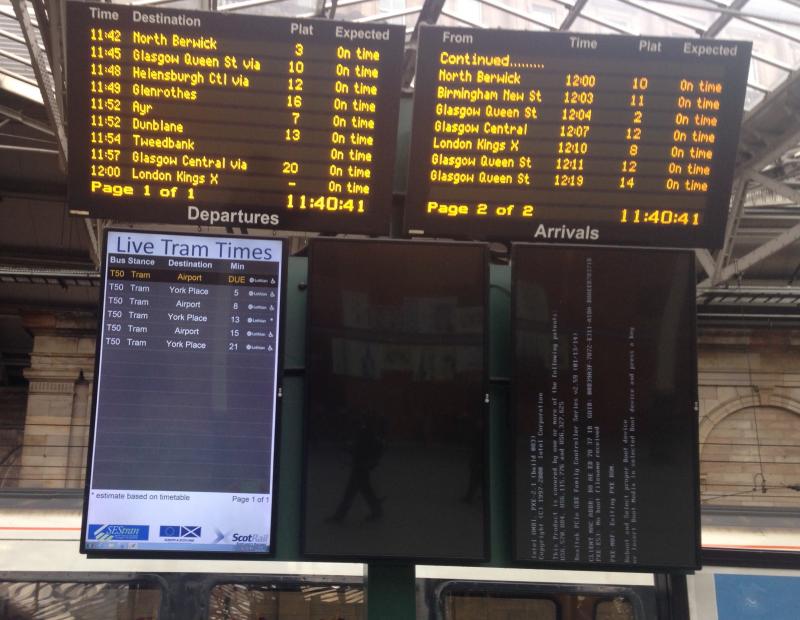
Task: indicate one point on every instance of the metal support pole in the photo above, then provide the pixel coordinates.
(391, 591)
(94, 244)
(428, 14)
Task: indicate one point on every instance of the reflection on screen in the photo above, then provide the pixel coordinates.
(395, 418)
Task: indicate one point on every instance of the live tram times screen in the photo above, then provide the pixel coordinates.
(239, 120)
(187, 388)
(564, 137)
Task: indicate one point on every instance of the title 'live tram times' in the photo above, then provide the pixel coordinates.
(186, 395)
(210, 118)
(556, 136)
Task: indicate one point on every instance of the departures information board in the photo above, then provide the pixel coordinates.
(563, 137)
(182, 452)
(240, 120)
(604, 408)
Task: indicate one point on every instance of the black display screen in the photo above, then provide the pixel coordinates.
(566, 137)
(604, 406)
(214, 118)
(395, 430)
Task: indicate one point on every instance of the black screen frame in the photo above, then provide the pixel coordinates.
(173, 554)
(486, 495)
(516, 249)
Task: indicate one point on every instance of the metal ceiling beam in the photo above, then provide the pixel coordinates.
(731, 228)
(19, 85)
(726, 16)
(771, 62)
(43, 26)
(13, 37)
(706, 261)
(94, 236)
(463, 20)
(740, 265)
(773, 149)
(573, 14)
(57, 38)
(18, 116)
(776, 186)
(52, 106)
(429, 13)
(11, 56)
(339, 5)
(771, 128)
(28, 149)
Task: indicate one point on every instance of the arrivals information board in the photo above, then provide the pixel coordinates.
(238, 120)
(566, 137)
(182, 452)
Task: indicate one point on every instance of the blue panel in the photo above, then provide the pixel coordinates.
(751, 597)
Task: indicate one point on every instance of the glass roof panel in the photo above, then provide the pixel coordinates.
(288, 8)
(375, 9)
(522, 14)
(518, 15)
(584, 25)
(628, 17)
(785, 17)
(764, 75)
(701, 19)
(612, 13)
(752, 97)
(451, 19)
(469, 10)
(765, 44)
(196, 5)
(14, 58)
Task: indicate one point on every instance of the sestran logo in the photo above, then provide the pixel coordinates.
(108, 532)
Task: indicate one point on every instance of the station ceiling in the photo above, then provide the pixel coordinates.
(47, 256)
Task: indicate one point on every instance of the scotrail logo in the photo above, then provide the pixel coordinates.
(237, 538)
(118, 532)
